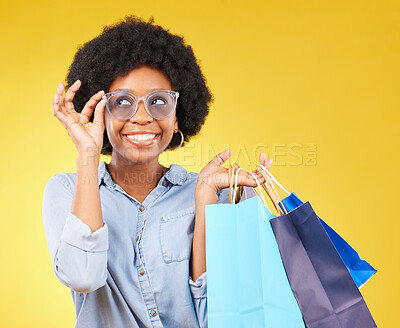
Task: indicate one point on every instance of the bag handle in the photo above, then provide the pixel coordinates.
(236, 196)
(273, 178)
(237, 192)
(276, 199)
(233, 185)
(260, 193)
(271, 191)
(231, 177)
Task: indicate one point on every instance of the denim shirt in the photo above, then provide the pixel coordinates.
(134, 270)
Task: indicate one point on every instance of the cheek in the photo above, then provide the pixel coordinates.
(113, 128)
(169, 128)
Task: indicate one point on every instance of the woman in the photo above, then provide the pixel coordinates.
(123, 236)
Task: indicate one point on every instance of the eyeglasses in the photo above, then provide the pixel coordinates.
(123, 105)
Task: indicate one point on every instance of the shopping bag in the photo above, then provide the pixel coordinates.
(324, 288)
(247, 286)
(360, 270)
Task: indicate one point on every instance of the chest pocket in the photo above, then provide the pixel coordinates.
(176, 235)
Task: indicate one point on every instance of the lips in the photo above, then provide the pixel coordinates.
(141, 138)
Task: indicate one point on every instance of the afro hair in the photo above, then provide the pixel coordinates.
(130, 44)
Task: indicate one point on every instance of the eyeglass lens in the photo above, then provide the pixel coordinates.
(122, 105)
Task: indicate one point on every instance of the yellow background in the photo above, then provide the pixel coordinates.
(315, 84)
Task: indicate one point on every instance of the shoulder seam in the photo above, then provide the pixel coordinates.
(59, 177)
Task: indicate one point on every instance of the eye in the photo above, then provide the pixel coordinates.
(158, 101)
(123, 101)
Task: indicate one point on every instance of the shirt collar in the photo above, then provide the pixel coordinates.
(176, 174)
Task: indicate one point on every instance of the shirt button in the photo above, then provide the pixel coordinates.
(164, 183)
(137, 238)
(141, 272)
(153, 313)
(141, 208)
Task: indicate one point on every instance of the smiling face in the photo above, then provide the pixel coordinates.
(142, 138)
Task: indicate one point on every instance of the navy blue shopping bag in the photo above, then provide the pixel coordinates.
(323, 286)
(360, 270)
(324, 289)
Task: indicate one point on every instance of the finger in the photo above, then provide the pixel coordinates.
(268, 164)
(57, 97)
(260, 177)
(58, 113)
(265, 162)
(54, 105)
(221, 157)
(57, 108)
(246, 179)
(91, 104)
(263, 159)
(70, 94)
(99, 113)
(60, 89)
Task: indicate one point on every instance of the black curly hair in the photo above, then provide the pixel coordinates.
(129, 44)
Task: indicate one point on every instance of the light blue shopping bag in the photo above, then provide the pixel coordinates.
(247, 286)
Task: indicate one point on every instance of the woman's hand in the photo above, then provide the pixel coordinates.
(214, 177)
(87, 136)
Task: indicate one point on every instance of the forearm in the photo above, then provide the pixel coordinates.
(86, 202)
(203, 197)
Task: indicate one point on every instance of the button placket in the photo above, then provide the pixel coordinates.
(142, 275)
(142, 272)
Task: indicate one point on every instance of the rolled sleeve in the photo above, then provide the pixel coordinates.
(79, 256)
(198, 290)
(78, 234)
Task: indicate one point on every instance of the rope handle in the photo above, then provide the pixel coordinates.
(234, 197)
(271, 192)
(273, 178)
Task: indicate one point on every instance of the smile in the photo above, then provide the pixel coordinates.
(142, 139)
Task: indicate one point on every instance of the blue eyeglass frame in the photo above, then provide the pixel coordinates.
(175, 95)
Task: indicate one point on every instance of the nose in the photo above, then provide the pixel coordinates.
(141, 116)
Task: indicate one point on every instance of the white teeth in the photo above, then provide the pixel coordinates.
(141, 137)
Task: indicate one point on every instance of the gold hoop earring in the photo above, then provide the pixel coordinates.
(182, 140)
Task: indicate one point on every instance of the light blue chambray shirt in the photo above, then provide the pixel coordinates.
(133, 271)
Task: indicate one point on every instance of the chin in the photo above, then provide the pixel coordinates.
(140, 156)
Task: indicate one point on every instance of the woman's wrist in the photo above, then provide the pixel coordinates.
(88, 159)
(205, 194)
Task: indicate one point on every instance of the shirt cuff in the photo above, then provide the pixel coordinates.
(78, 234)
(199, 288)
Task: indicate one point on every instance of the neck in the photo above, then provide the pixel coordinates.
(136, 175)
